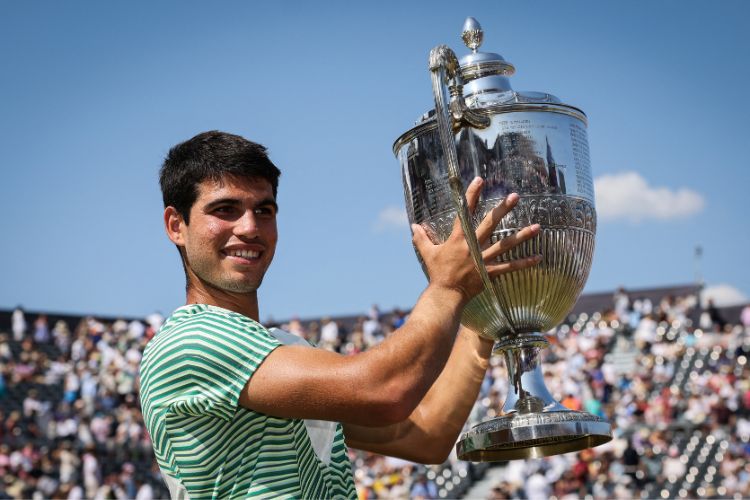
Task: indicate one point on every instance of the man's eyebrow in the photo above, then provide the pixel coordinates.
(236, 202)
(221, 201)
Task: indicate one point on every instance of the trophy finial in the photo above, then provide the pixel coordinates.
(472, 34)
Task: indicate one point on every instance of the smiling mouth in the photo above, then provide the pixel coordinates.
(244, 254)
(243, 257)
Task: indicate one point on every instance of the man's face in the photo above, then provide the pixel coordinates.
(231, 238)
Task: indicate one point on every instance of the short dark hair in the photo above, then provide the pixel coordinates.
(211, 155)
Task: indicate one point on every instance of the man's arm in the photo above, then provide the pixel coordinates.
(430, 432)
(385, 384)
(378, 387)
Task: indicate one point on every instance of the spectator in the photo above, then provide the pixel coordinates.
(424, 488)
(672, 467)
(717, 320)
(329, 335)
(631, 460)
(18, 321)
(621, 303)
(745, 316)
(41, 329)
(572, 403)
(537, 487)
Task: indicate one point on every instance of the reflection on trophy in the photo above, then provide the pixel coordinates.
(532, 144)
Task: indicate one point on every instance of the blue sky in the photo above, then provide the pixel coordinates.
(94, 94)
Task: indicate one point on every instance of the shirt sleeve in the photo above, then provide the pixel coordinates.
(212, 361)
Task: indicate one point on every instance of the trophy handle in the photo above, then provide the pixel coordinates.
(444, 68)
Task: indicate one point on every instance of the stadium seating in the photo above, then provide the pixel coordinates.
(677, 394)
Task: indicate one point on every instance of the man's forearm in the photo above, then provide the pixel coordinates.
(411, 359)
(443, 411)
(429, 433)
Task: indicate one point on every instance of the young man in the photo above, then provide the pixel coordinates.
(233, 409)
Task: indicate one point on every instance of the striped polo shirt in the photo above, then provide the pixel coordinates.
(207, 446)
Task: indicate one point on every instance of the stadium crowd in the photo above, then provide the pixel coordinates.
(670, 376)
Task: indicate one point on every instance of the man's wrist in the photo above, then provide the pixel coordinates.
(449, 295)
(486, 345)
(483, 345)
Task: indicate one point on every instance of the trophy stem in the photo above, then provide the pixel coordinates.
(532, 423)
(527, 393)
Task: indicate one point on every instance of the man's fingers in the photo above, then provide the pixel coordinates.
(509, 242)
(420, 238)
(513, 265)
(492, 219)
(472, 199)
(473, 192)
(418, 235)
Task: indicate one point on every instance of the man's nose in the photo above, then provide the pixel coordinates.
(247, 225)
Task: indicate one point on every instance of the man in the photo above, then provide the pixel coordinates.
(233, 409)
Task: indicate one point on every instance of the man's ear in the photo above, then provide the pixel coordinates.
(174, 224)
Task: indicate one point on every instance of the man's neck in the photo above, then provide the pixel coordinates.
(245, 304)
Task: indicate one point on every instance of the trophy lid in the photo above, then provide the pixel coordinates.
(482, 72)
(486, 86)
(485, 74)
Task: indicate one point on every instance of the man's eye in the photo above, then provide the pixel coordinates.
(224, 210)
(267, 211)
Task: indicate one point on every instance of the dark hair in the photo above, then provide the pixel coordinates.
(211, 155)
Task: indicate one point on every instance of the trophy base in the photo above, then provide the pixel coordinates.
(532, 435)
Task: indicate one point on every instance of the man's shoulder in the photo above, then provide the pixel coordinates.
(206, 318)
(198, 312)
(201, 325)
(199, 341)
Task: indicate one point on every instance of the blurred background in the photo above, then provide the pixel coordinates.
(95, 94)
(670, 375)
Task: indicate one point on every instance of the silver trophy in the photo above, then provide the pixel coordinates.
(532, 144)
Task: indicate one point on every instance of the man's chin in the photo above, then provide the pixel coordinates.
(240, 286)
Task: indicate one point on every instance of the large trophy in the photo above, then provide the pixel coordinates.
(532, 144)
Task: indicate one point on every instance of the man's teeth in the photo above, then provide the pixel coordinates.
(245, 254)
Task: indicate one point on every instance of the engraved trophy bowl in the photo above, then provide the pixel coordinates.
(532, 144)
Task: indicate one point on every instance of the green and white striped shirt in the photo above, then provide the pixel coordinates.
(208, 446)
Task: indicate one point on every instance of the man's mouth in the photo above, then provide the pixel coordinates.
(245, 254)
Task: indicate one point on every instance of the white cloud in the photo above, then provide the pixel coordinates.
(723, 295)
(628, 196)
(392, 218)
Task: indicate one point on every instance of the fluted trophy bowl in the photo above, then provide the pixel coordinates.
(532, 144)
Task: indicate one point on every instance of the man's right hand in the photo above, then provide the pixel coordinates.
(450, 265)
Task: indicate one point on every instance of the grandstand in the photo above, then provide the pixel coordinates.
(673, 379)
